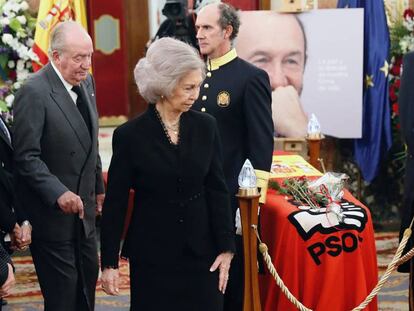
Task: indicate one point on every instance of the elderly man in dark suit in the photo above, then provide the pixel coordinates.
(238, 95)
(59, 169)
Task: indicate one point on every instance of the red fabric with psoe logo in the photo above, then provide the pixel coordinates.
(328, 269)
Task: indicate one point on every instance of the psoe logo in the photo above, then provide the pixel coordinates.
(308, 221)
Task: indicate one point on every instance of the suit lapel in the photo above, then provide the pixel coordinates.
(62, 98)
(3, 135)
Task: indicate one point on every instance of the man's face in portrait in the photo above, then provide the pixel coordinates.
(274, 42)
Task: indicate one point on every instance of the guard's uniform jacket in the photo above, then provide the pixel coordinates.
(238, 95)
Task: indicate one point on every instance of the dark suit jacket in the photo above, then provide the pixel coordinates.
(54, 153)
(4, 269)
(245, 123)
(406, 101)
(8, 217)
(181, 199)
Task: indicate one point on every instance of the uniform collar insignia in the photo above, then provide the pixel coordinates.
(216, 63)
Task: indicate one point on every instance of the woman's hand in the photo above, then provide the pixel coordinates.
(110, 281)
(223, 263)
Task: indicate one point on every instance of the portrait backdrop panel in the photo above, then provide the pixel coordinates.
(330, 81)
(334, 76)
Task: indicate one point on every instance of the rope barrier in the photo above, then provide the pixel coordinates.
(396, 261)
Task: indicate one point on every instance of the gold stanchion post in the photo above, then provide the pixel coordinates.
(249, 203)
(314, 149)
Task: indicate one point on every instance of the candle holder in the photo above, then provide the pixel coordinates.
(314, 150)
(249, 204)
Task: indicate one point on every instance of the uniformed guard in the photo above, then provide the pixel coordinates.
(238, 95)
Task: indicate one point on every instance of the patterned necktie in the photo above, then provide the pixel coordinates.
(81, 104)
(5, 130)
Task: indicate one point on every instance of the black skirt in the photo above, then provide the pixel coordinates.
(185, 286)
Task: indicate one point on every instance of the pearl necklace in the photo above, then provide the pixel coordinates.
(174, 128)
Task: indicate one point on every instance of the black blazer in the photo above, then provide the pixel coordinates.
(181, 200)
(406, 101)
(4, 269)
(8, 209)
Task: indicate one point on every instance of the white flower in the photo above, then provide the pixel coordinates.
(20, 65)
(4, 21)
(29, 42)
(22, 75)
(6, 38)
(19, 42)
(406, 44)
(24, 6)
(33, 56)
(9, 100)
(17, 85)
(11, 15)
(11, 6)
(22, 19)
(409, 24)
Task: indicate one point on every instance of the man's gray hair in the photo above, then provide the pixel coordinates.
(167, 61)
(204, 3)
(229, 17)
(58, 36)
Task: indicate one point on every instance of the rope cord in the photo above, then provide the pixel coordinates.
(396, 261)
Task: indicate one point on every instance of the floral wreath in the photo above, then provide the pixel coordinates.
(402, 41)
(16, 55)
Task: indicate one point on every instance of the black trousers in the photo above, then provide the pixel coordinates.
(186, 285)
(67, 273)
(233, 298)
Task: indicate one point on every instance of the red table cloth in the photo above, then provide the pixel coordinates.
(328, 268)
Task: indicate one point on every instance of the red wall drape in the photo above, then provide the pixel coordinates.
(244, 5)
(110, 70)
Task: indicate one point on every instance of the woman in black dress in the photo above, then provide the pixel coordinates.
(180, 240)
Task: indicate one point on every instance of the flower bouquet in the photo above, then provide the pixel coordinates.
(324, 192)
(16, 55)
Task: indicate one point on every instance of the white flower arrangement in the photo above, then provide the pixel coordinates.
(16, 55)
(402, 33)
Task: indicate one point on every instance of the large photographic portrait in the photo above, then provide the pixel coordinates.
(315, 65)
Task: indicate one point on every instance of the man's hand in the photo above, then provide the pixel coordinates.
(21, 236)
(99, 203)
(71, 203)
(6, 288)
(110, 281)
(289, 118)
